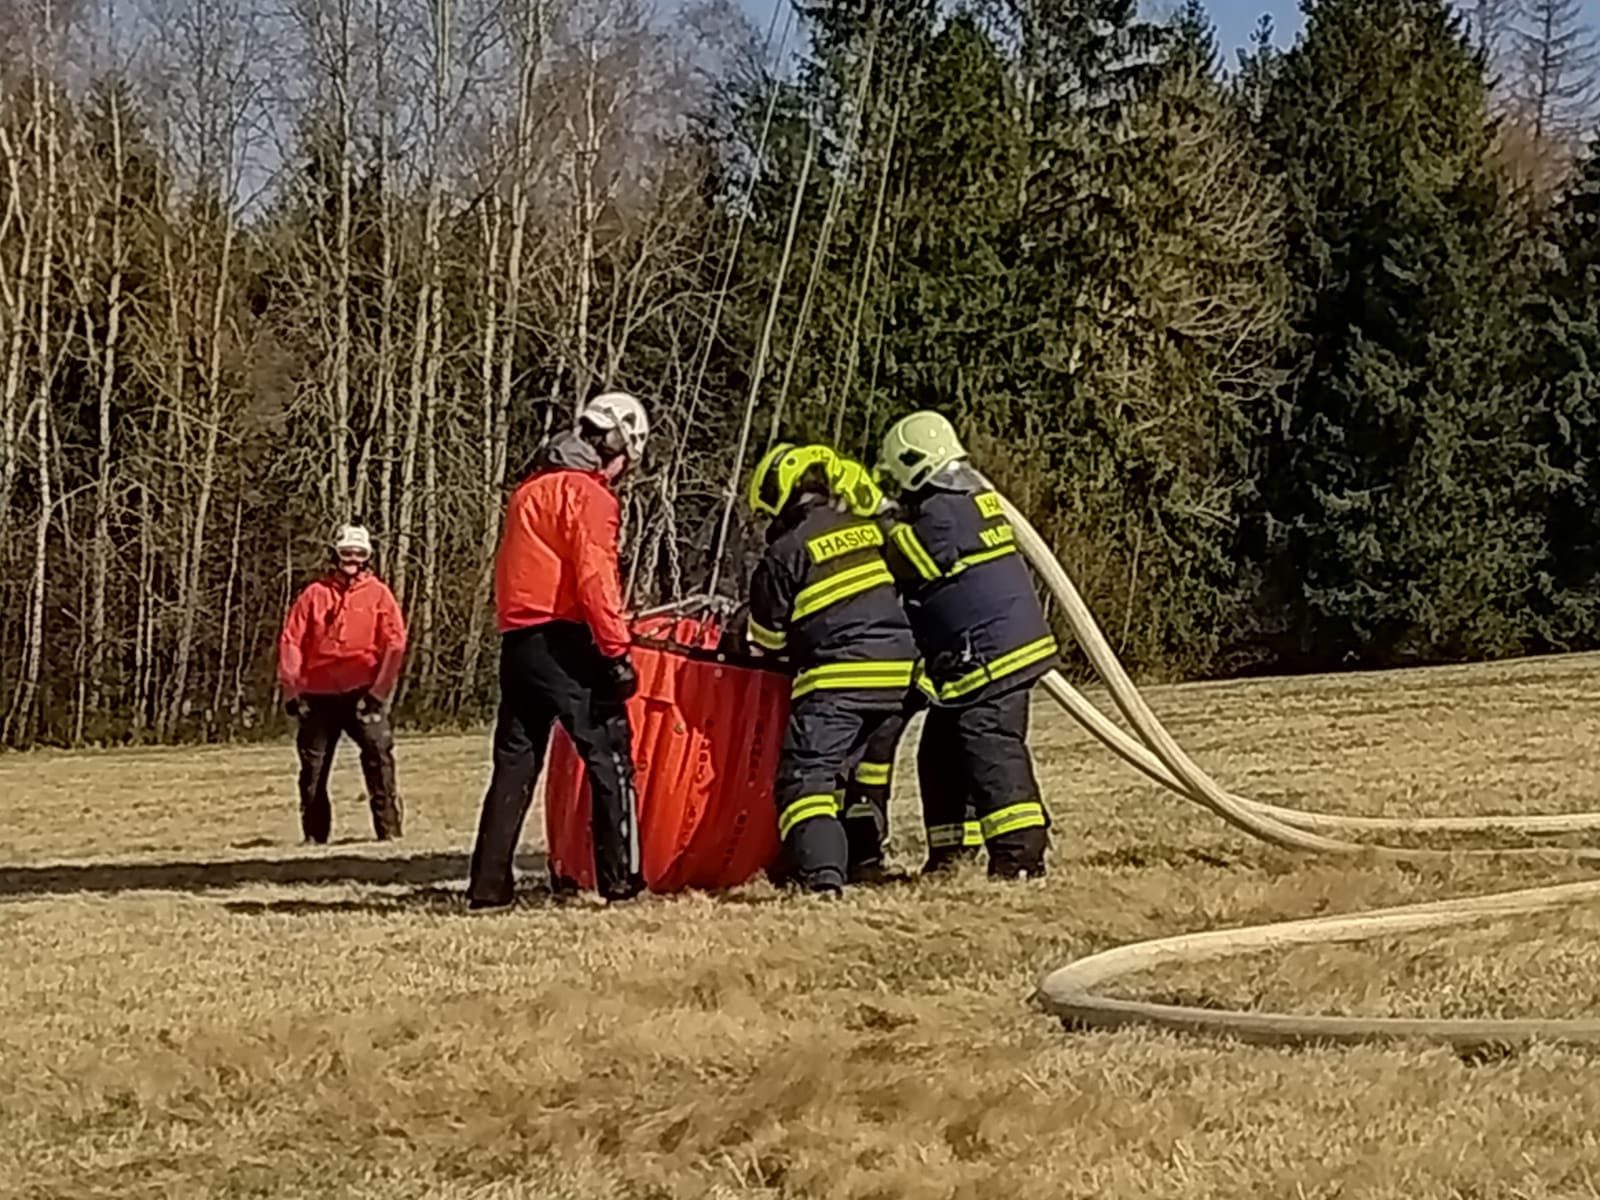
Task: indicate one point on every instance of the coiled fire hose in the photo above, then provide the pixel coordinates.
(1069, 992)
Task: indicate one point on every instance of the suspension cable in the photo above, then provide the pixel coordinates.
(737, 467)
(848, 363)
(676, 470)
(825, 234)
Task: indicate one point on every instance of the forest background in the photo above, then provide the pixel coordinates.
(1295, 358)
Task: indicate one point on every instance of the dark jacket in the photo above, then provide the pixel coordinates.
(823, 595)
(968, 593)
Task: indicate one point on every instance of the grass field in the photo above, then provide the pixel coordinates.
(191, 1004)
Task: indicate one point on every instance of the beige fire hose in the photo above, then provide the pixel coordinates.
(1068, 992)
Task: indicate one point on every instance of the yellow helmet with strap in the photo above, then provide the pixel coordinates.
(854, 484)
(779, 470)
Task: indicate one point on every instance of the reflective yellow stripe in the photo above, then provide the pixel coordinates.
(1007, 664)
(998, 535)
(873, 774)
(861, 676)
(843, 541)
(968, 834)
(1027, 815)
(804, 809)
(989, 505)
(905, 538)
(840, 587)
(983, 556)
(766, 638)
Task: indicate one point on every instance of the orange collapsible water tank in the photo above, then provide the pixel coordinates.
(707, 726)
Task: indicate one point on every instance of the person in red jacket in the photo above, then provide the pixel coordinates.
(339, 659)
(564, 649)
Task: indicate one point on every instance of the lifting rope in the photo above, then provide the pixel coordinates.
(847, 364)
(731, 496)
(842, 170)
(732, 262)
(1069, 991)
(763, 348)
(728, 268)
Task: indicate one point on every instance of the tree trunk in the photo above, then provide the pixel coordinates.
(341, 280)
(384, 386)
(144, 619)
(584, 161)
(530, 44)
(427, 635)
(227, 605)
(14, 294)
(189, 608)
(22, 721)
(100, 566)
(424, 376)
(493, 214)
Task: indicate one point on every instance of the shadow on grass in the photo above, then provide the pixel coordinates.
(448, 901)
(59, 879)
(440, 901)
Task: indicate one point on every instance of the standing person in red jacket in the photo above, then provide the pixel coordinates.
(339, 659)
(564, 649)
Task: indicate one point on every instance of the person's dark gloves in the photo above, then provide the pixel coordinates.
(369, 707)
(624, 680)
(293, 707)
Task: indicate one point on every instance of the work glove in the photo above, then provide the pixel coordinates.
(624, 680)
(293, 707)
(369, 708)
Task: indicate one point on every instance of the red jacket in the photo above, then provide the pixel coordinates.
(558, 557)
(342, 635)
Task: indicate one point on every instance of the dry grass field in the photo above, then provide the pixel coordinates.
(192, 1005)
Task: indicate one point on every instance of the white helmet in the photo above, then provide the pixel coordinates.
(352, 537)
(917, 447)
(620, 413)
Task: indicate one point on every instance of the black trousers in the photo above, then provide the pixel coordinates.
(827, 731)
(549, 673)
(322, 720)
(973, 763)
(866, 788)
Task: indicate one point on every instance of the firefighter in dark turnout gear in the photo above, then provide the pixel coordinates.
(869, 780)
(984, 643)
(866, 788)
(823, 596)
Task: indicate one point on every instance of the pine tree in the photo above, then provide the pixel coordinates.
(1173, 314)
(1389, 520)
(1564, 363)
(1192, 41)
(964, 158)
(1252, 83)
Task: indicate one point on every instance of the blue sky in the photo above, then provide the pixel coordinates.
(1235, 19)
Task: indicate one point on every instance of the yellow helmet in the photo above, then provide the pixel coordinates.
(918, 445)
(778, 471)
(854, 484)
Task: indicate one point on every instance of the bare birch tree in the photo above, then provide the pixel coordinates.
(44, 144)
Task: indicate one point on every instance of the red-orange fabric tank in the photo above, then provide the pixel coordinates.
(706, 736)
